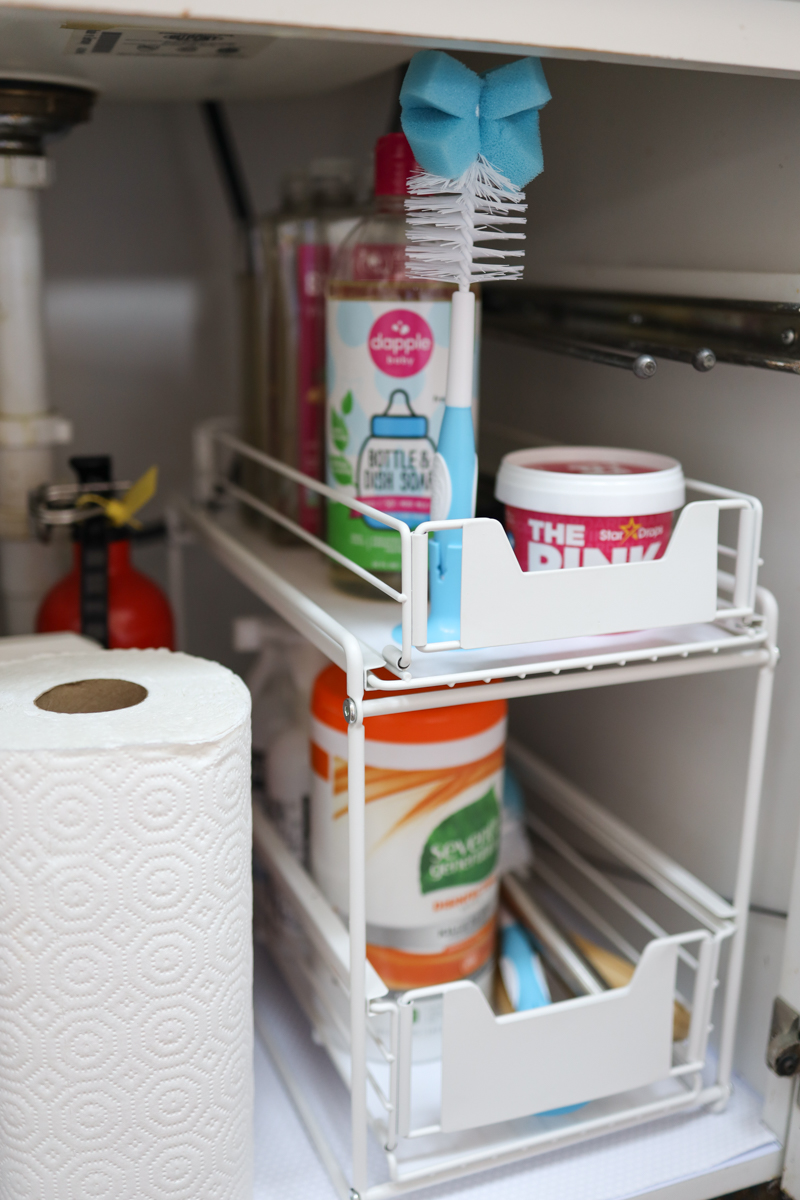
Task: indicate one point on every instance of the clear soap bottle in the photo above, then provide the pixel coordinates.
(318, 211)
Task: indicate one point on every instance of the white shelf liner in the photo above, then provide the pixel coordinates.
(614, 1167)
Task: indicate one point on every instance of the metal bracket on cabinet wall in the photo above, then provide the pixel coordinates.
(632, 331)
(783, 1048)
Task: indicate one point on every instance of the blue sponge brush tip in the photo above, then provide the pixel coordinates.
(451, 115)
(435, 78)
(443, 144)
(439, 98)
(513, 146)
(511, 89)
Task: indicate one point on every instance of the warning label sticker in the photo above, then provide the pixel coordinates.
(162, 43)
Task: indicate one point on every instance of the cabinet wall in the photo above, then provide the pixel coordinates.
(664, 172)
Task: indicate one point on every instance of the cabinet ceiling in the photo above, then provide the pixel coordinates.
(170, 49)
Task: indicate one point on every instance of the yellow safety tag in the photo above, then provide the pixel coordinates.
(120, 512)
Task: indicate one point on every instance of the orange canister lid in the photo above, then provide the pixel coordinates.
(424, 725)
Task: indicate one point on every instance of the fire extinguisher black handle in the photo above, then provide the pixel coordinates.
(92, 535)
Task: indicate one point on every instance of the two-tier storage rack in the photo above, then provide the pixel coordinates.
(614, 1057)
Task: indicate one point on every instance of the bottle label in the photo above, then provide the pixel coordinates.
(387, 377)
(432, 834)
(464, 847)
(401, 343)
(312, 271)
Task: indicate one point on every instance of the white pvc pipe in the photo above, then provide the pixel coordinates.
(27, 568)
(22, 369)
(22, 374)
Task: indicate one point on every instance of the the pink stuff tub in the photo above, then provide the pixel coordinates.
(588, 506)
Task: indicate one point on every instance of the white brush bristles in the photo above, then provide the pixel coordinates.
(449, 222)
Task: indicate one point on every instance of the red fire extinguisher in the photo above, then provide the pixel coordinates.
(104, 597)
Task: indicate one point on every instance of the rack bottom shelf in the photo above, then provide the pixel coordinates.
(691, 1156)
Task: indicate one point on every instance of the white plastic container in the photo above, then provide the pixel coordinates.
(434, 784)
(588, 506)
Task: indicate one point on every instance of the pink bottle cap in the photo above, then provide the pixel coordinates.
(394, 162)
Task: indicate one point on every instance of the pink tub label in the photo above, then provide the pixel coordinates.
(592, 467)
(548, 542)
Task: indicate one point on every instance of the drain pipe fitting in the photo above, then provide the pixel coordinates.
(30, 112)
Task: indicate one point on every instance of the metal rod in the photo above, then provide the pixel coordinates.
(322, 926)
(326, 633)
(539, 1143)
(405, 1015)
(744, 873)
(636, 673)
(304, 1110)
(566, 959)
(316, 485)
(356, 800)
(626, 659)
(608, 888)
(704, 987)
(626, 845)
(642, 365)
(582, 906)
(268, 511)
(304, 986)
(685, 329)
(394, 1037)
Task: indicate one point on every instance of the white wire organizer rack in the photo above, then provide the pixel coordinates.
(614, 1052)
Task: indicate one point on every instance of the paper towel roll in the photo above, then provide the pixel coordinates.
(36, 645)
(125, 947)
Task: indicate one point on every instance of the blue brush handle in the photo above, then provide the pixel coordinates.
(531, 990)
(454, 482)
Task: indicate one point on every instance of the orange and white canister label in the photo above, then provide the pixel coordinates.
(432, 843)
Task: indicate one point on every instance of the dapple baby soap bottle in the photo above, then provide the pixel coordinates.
(387, 338)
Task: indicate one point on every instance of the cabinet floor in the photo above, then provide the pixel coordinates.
(615, 1167)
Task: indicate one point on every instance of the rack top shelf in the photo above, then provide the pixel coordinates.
(333, 44)
(284, 576)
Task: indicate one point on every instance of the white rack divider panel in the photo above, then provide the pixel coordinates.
(498, 1068)
(502, 604)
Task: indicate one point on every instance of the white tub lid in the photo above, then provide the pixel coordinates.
(590, 481)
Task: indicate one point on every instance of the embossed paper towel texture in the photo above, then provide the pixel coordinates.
(125, 956)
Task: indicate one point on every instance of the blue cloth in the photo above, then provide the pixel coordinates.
(451, 115)
(516, 948)
(513, 795)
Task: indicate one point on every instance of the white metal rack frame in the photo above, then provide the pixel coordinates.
(530, 634)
